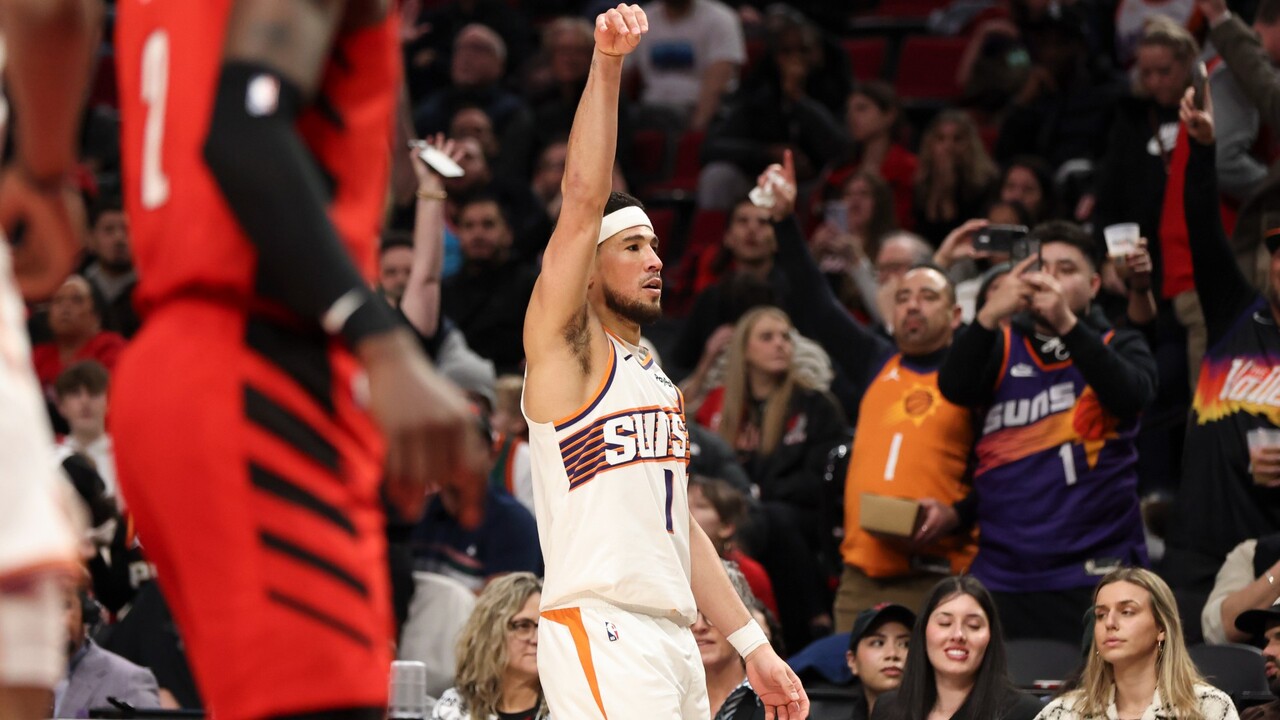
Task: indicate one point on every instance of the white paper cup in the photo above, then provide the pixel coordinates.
(408, 690)
(1122, 239)
(1259, 438)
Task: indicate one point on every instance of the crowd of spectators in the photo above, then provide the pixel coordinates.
(1049, 419)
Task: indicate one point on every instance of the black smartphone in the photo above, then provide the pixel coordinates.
(998, 238)
(1199, 84)
(1024, 248)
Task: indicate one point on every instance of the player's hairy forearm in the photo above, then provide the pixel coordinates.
(593, 141)
(588, 175)
(50, 46)
(712, 590)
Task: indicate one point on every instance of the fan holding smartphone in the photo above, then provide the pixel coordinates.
(1061, 391)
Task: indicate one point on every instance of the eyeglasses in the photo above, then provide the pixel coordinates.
(523, 629)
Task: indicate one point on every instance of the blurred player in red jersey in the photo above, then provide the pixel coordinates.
(48, 45)
(253, 412)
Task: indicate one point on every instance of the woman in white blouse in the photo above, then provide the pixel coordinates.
(1139, 668)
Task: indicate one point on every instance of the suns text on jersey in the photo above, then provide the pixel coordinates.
(1026, 411)
(651, 434)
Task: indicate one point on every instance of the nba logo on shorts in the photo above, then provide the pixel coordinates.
(611, 631)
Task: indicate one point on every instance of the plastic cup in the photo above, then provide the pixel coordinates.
(1122, 239)
(1259, 438)
(408, 691)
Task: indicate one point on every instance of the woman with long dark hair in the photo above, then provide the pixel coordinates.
(957, 667)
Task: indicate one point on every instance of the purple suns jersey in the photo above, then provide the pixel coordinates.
(1056, 479)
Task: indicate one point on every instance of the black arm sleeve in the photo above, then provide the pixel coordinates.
(819, 315)
(969, 373)
(267, 177)
(1224, 291)
(1123, 374)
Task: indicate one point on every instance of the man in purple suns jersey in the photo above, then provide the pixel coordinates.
(1055, 485)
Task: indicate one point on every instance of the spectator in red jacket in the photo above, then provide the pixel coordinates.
(75, 319)
(873, 117)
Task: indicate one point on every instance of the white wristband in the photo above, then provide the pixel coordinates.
(335, 318)
(748, 638)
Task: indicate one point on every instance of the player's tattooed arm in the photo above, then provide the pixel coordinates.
(292, 37)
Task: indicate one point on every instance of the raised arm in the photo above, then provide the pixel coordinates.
(1212, 260)
(565, 345)
(421, 301)
(560, 295)
(49, 45)
(1245, 57)
(819, 315)
(969, 373)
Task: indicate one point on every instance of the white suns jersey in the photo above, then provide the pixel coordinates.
(611, 494)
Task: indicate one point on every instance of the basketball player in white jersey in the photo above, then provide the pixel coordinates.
(48, 45)
(628, 570)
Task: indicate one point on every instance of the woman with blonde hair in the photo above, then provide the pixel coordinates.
(497, 675)
(1139, 666)
(782, 429)
(955, 178)
(762, 399)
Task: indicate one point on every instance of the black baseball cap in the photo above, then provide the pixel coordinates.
(1254, 622)
(874, 617)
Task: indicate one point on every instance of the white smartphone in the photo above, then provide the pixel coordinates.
(441, 163)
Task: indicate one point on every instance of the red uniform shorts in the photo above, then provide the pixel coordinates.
(253, 473)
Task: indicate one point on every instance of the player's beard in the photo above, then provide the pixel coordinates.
(638, 312)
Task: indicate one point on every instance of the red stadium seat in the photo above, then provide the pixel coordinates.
(706, 230)
(649, 156)
(908, 8)
(756, 50)
(664, 220)
(866, 56)
(688, 162)
(927, 68)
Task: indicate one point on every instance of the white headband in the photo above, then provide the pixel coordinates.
(621, 219)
